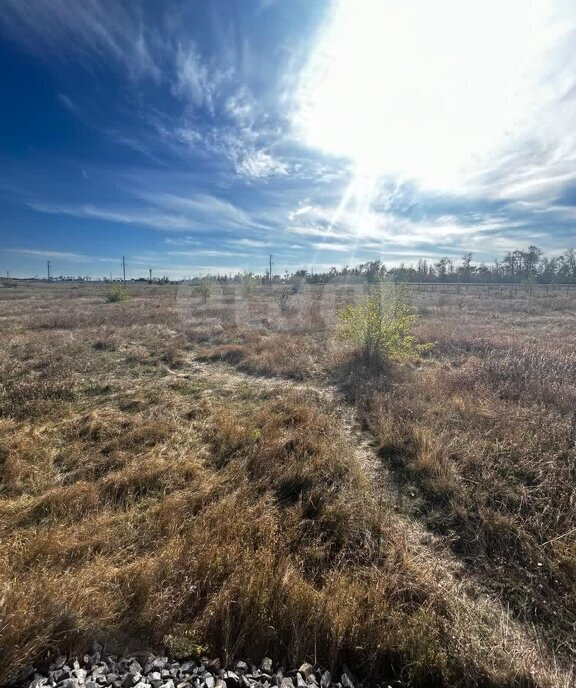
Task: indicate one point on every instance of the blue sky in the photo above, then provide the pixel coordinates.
(200, 136)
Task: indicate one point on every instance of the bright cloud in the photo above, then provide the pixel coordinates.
(427, 91)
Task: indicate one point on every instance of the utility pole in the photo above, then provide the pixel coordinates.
(150, 271)
(48, 264)
(270, 273)
(123, 269)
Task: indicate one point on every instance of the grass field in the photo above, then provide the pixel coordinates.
(219, 473)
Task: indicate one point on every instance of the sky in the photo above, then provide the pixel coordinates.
(199, 136)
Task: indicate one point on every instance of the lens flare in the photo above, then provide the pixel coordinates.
(422, 90)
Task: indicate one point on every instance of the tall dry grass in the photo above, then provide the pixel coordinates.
(155, 509)
(485, 428)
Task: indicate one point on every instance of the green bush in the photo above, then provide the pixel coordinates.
(205, 290)
(381, 324)
(248, 285)
(116, 294)
(284, 299)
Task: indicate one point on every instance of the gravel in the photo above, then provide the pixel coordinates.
(97, 669)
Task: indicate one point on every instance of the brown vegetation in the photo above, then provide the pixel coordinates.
(154, 500)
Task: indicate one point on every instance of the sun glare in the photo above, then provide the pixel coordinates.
(423, 90)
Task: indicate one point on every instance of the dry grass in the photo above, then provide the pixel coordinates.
(292, 356)
(486, 429)
(149, 504)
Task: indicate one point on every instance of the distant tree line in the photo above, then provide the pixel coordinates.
(529, 266)
(516, 267)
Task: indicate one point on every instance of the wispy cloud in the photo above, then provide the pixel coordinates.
(213, 111)
(146, 217)
(331, 246)
(41, 253)
(196, 82)
(205, 206)
(258, 164)
(70, 105)
(240, 146)
(207, 252)
(94, 30)
(164, 211)
(62, 255)
(241, 107)
(249, 243)
(182, 241)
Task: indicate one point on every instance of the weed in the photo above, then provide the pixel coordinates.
(116, 294)
(205, 291)
(381, 325)
(284, 300)
(248, 285)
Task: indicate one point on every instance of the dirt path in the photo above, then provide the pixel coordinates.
(492, 629)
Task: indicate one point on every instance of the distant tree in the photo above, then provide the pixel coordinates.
(570, 260)
(442, 268)
(465, 270)
(530, 260)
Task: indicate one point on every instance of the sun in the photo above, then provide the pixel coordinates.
(422, 90)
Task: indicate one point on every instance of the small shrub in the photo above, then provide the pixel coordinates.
(283, 299)
(205, 291)
(248, 285)
(381, 325)
(298, 284)
(116, 294)
(105, 344)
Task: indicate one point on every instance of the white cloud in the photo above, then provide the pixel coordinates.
(258, 164)
(206, 252)
(303, 210)
(40, 253)
(239, 145)
(67, 256)
(167, 212)
(241, 107)
(317, 231)
(383, 86)
(344, 248)
(147, 217)
(250, 160)
(536, 184)
(206, 207)
(195, 81)
(249, 243)
(384, 231)
(191, 137)
(383, 90)
(93, 30)
(184, 241)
